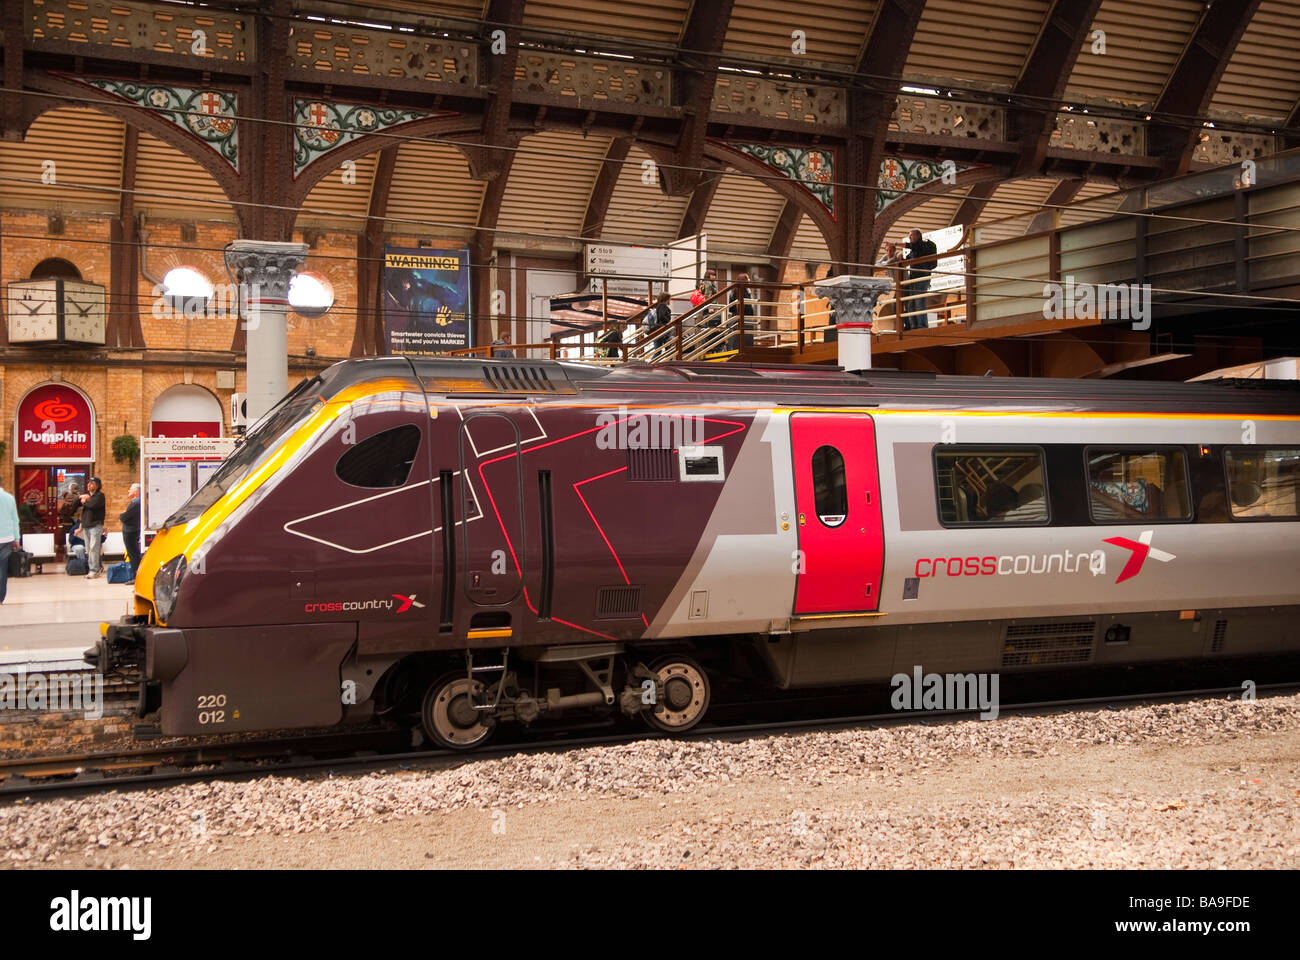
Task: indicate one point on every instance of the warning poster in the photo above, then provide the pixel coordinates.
(426, 301)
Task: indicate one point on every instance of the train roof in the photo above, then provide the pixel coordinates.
(824, 386)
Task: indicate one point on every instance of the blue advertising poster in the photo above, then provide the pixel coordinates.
(426, 301)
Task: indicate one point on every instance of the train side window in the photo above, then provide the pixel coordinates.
(1263, 482)
(990, 485)
(830, 492)
(1138, 485)
(383, 460)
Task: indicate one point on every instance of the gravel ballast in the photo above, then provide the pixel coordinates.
(1204, 784)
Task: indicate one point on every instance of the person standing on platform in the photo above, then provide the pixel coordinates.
(918, 275)
(68, 511)
(9, 535)
(92, 525)
(130, 518)
(501, 347)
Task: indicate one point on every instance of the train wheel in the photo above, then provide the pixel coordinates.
(686, 695)
(448, 717)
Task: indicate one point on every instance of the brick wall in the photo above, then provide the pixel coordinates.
(123, 386)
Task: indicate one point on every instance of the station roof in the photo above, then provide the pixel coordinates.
(979, 45)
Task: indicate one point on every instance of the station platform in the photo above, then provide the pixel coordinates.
(49, 619)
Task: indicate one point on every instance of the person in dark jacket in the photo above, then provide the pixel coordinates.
(918, 275)
(130, 518)
(659, 317)
(68, 510)
(93, 506)
(739, 294)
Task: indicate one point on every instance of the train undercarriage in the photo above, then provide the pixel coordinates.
(460, 709)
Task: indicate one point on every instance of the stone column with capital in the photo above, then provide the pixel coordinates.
(262, 270)
(854, 301)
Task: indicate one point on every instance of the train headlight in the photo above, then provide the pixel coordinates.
(166, 586)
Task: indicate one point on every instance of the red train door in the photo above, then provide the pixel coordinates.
(837, 499)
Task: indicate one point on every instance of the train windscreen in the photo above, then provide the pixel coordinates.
(262, 440)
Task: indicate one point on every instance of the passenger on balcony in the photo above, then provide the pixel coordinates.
(710, 285)
(501, 347)
(918, 276)
(660, 316)
(741, 292)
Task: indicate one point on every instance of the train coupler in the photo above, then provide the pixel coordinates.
(120, 648)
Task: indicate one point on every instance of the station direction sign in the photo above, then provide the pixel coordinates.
(950, 271)
(186, 448)
(619, 260)
(619, 287)
(172, 468)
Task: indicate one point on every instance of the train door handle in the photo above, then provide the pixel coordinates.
(802, 520)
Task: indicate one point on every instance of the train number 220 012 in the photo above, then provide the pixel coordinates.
(206, 707)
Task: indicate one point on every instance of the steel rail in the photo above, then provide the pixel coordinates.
(89, 773)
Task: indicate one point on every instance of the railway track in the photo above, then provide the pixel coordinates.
(358, 751)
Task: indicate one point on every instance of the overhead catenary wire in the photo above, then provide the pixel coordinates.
(89, 102)
(1268, 229)
(957, 336)
(456, 227)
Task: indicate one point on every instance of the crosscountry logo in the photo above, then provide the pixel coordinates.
(1141, 549)
(407, 602)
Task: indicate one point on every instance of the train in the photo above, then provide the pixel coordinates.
(460, 544)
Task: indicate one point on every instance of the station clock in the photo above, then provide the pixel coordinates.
(55, 311)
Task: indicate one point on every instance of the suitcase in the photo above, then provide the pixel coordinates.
(20, 563)
(118, 573)
(77, 567)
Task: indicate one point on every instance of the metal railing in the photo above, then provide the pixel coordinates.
(1214, 234)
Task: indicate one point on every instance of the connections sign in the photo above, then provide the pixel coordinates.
(426, 301)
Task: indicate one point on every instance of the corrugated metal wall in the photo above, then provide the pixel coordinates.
(86, 148)
(1018, 199)
(462, 9)
(431, 181)
(640, 212)
(647, 20)
(1263, 77)
(340, 203)
(742, 217)
(1084, 207)
(550, 184)
(986, 41)
(1144, 39)
(809, 244)
(834, 31)
(183, 185)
